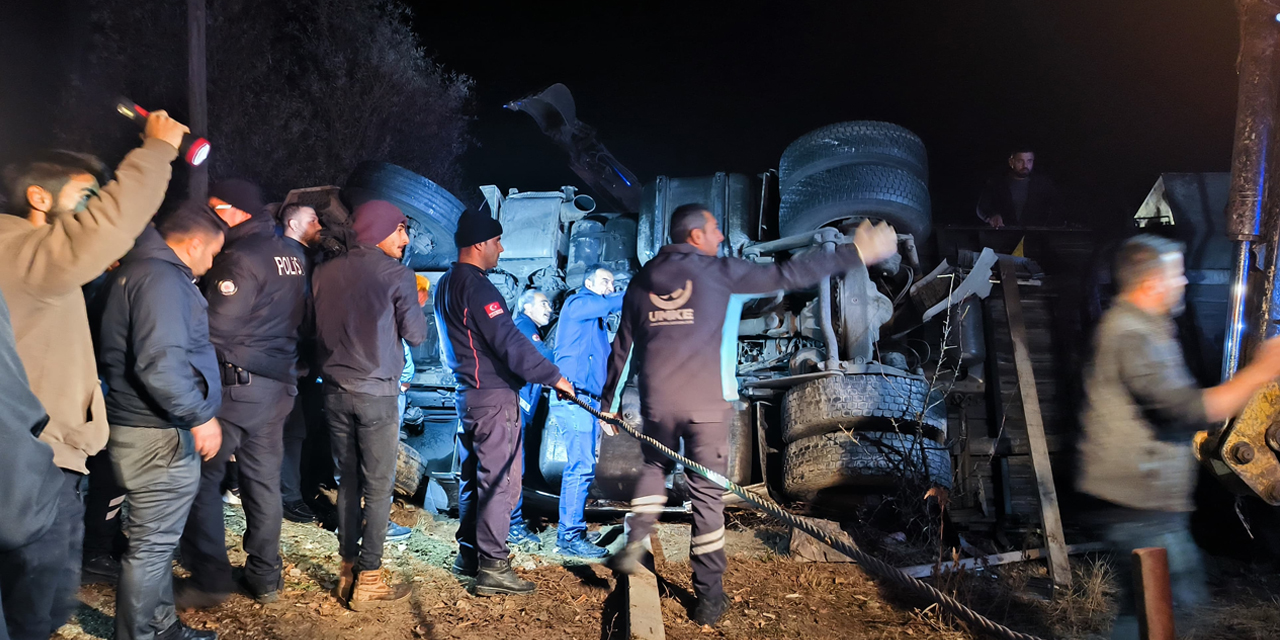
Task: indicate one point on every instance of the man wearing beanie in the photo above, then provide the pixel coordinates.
(257, 296)
(366, 302)
(491, 360)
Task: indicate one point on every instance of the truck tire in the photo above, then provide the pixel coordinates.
(862, 402)
(432, 210)
(817, 469)
(856, 191)
(857, 142)
(410, 469)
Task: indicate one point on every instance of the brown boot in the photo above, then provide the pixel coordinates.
(346, 581)
(372, 592)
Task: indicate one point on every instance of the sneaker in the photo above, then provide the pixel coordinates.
(519, 534)
(179, 631)
(232, 497)
(264, 594)
(372, 591)
(578, 548)
(463, 566)
(594, 537)
(298, 511)
(497, 578)
(100, 569)
(396, 533)
(709, 611)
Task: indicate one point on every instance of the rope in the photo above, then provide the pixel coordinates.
(875, 566)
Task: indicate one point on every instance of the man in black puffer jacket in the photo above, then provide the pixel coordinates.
(162, 372)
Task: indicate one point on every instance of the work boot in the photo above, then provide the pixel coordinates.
(497, 578)
(298, 511)
(709, 610)
(519, 534)
(463, 566)
(264, 593)
(578, 547)
(100, 569)
(179, 631)
(627, 560)
(187, 596)
(372, 591)
(346, 580)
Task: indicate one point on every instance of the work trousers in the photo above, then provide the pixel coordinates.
(706, 441)
(364, 431)
(102, 502)
(492, 465)
(160, 472)
(581, 435)
(252, 418)
(38, 582)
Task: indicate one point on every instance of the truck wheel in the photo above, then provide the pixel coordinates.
(433, 210)
(855, 191)
(862, 402)
(857, 142)
(410, 469)
(872, 462)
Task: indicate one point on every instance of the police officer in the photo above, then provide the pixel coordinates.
(491, 361)
(535, 312)
(256, 293)
(582, 347)
(673, 316)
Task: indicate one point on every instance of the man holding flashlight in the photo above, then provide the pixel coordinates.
(65, 229)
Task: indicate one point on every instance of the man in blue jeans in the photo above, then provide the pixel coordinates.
(582, 353)
(535, 312)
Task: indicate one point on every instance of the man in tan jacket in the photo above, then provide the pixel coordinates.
(64, 230)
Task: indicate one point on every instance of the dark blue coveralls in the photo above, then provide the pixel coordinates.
(530, 397)
(491, 361)
(257, 293)
(673, 319)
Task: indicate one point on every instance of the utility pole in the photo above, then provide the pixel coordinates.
(197, 94)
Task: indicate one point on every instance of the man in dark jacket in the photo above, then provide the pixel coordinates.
(257, 293)
(582, 351)
(164, 392)
(535, 312)
(31, 481)
(673, 315)
(491, 360)
(366, 302)
(1020, 197)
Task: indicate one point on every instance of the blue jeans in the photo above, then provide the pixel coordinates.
(581, 435)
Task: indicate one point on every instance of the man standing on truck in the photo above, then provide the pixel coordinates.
(257, 296)
(672, 319)
(535, 312)
(491, 360)
(1142, 408)
(1019, 197)
(582, 350)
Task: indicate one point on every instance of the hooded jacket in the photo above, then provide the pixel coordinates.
(41, 272)
(154, 352)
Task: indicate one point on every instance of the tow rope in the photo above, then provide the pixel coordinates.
(868, 562)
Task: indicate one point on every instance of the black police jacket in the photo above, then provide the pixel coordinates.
(481, 343)
(257, 293)
(154, 351)
(673, 320)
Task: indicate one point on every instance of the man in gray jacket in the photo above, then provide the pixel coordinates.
(165, 391)
(1142, 408)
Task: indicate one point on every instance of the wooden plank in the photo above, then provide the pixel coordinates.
(1051, 519)
(644, 607)
(971, 564)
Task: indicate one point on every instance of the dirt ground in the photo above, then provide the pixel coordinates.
(773, 596)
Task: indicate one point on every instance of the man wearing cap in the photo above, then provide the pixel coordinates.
(366, 302)
(257, 294)
(491, 360)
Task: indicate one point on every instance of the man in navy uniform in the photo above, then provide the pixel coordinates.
(491, 361)
(673, 316)
(582, 349)
(535, 312)
(257, 294)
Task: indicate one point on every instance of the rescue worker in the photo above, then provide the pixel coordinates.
(535, 312)
(365, 304)
(491, 361)
(672, 319)
(257, 296)
(582, 352)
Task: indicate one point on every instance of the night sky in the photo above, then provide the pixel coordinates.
(1110, 93)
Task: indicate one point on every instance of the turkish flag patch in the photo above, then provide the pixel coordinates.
(493, 309)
